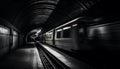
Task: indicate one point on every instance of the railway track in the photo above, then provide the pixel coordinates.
(49, 61)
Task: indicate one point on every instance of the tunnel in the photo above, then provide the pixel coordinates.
(59, 34)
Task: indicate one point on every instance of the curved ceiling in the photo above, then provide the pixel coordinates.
(35, 13)
(30, 14)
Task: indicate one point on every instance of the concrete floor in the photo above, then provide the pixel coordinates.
(25, 58)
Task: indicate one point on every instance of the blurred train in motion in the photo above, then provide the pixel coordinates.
(10, 38)
(83, 34)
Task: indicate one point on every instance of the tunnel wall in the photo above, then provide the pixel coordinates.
(4, 43)
(9, 38)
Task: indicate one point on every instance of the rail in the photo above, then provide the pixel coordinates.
(49, 61)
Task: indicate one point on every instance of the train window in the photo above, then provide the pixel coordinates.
(49, 35)
(97, 30)
(59, 34)
(4, 30)
(66, 32)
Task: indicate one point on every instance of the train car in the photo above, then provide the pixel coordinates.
(48, 37)
(72, 36)
(63, 36)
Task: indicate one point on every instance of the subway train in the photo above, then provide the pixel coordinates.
(94, 41)
(10, 39)
(82, 34)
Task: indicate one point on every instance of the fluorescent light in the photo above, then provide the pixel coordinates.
(66, 28)
(59, 30)
(4, 30)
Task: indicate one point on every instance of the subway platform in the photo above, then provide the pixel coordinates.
(41, 56)
(24, 58)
